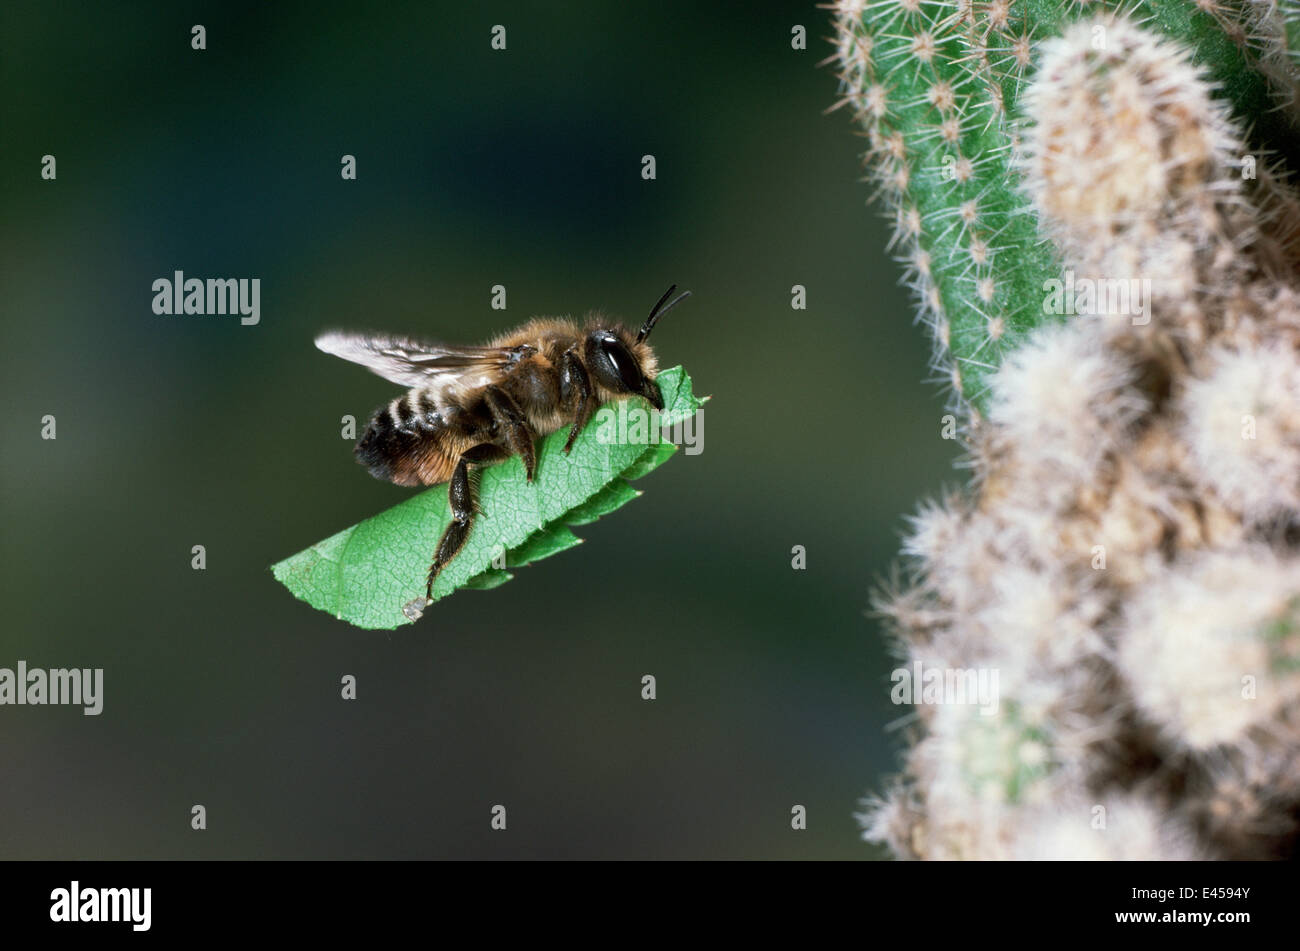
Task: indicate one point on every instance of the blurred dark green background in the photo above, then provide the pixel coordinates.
(475, 168)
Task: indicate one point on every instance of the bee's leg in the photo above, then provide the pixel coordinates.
(461, 495)
(519, 436)
(575, 391)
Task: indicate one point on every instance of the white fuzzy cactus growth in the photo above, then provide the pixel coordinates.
(1128, 558)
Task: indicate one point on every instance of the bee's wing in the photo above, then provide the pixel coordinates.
(415, 363)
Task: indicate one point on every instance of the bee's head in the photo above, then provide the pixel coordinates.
(621, 365)
(625, 365)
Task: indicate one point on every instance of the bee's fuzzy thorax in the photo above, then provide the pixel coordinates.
(549, 333)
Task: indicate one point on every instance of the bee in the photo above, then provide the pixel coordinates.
(469, 407)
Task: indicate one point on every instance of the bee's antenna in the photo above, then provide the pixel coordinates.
(659, 309)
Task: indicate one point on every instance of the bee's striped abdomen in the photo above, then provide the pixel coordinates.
(409, 442)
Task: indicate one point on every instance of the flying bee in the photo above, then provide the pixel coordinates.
(473, 406)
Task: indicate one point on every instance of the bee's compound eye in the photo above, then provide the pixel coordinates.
(614, 364)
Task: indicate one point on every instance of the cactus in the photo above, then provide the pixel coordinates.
(1127, 558)
(936, 86)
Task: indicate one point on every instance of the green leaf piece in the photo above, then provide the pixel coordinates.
(366, 573)
(550, 540)
(615, 495)
(487, 580)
